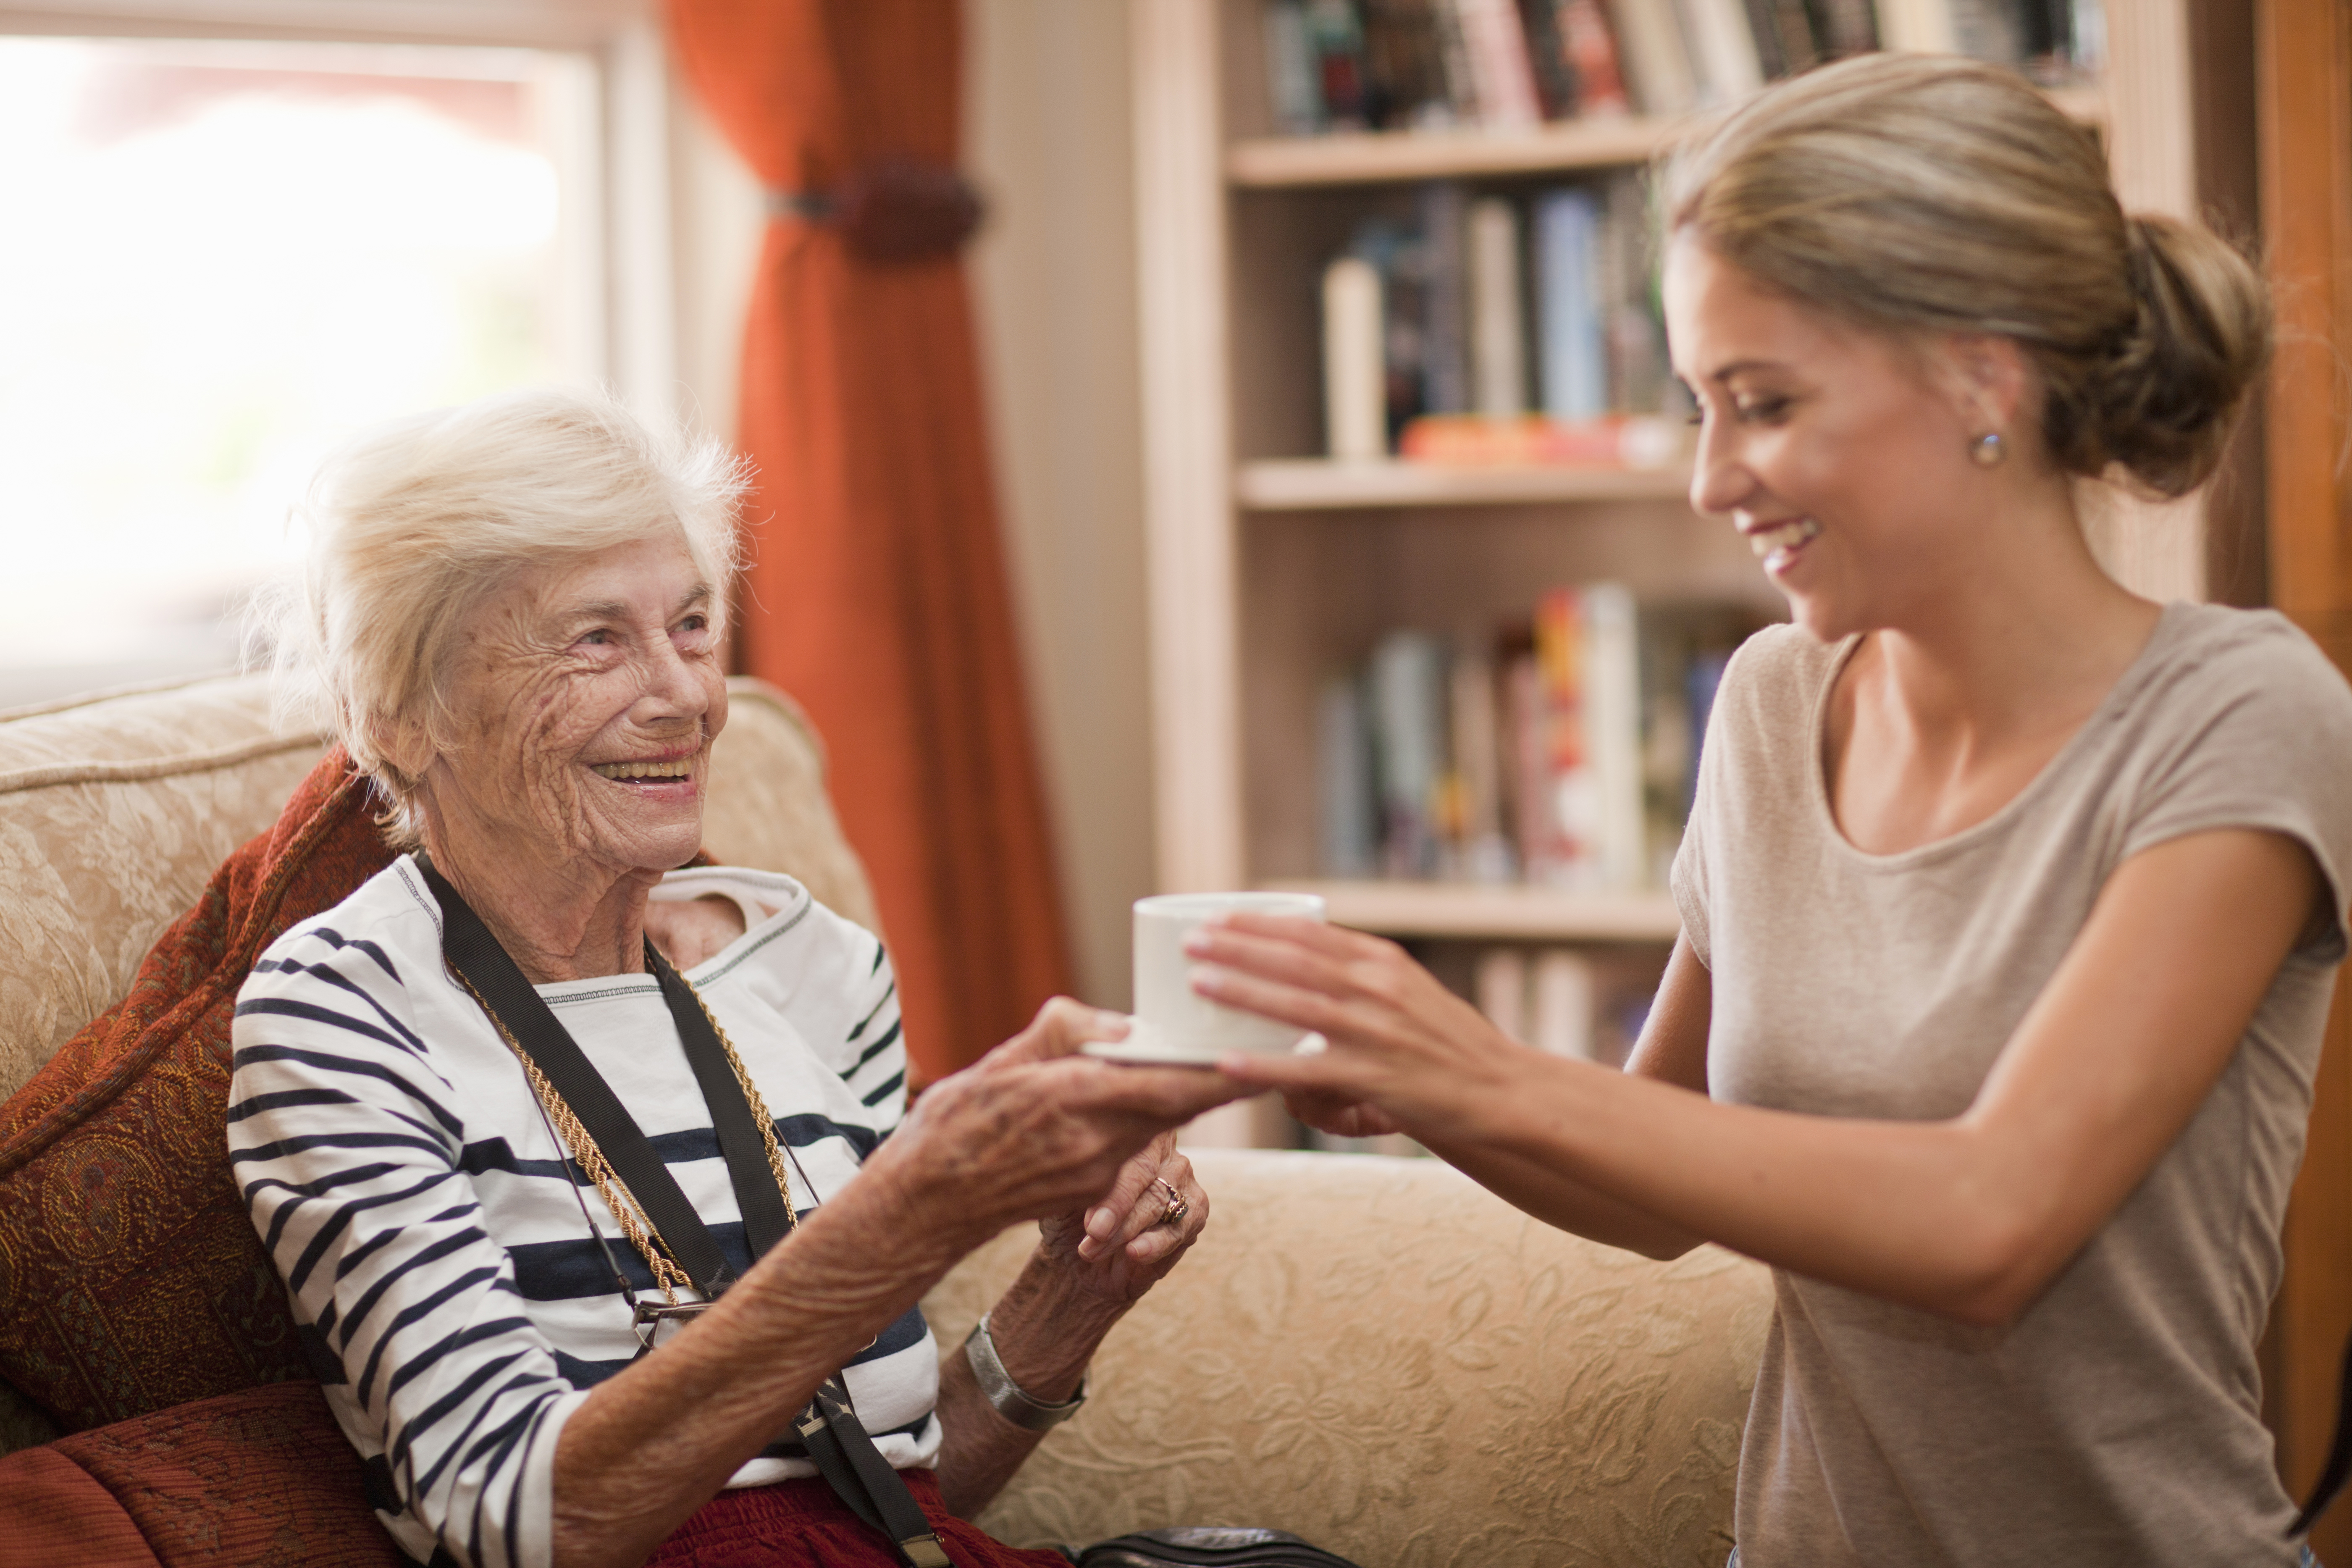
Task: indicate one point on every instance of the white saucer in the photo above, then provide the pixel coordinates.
(1142, 1047)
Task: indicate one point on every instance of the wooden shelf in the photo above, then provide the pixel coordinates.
(1474, 909)
(1369, 157)
(1271, 162)
(1309, 484)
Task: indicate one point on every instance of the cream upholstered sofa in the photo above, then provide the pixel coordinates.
(1370, 1353)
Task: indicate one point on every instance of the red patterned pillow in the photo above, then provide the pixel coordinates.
(130, 1277)
(261, 1476)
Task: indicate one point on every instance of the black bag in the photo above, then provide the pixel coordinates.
(1208, 1546)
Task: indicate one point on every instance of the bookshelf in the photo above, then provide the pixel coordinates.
(1269, 162)
(1310, 484)
(1459, 910)
(1270, 565)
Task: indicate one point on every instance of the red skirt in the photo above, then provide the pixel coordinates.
(800, 1524)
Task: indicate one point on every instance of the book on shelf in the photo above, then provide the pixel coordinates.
(1561, 1004)
(1657, 57)
(1355, 376)
(1396, 65)
(1613, 441)
(1442, 214)
(1552, 62)
(1456, 337)
(1407, 679)
(1564, 1001)
(1572, 361)
(1558, 750)
(1576, 735)
(2053, 41)
(1501, 73)
(1842, 28)
(1724, 57)
(1292, 91)
(1581, 34)
(1334, 42)
(1509, 65)
(1499, 329)
(1405, 70)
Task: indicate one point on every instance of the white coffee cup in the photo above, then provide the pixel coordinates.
(1172, 1022)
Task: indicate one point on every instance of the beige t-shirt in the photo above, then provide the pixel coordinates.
(2116, 1423)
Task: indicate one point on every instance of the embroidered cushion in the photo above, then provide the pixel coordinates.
(130, 1277)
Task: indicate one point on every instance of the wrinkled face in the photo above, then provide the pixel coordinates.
(587, 694)
(1837, 455)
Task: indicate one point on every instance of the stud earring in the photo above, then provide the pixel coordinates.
(1988, 449)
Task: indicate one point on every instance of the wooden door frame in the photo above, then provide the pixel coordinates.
(2304, 61)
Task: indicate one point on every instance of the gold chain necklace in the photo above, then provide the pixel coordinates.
(630, 1214)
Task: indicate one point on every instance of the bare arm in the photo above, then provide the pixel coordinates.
(1671, 1050)
(1028, 1132)
(1970, 1217)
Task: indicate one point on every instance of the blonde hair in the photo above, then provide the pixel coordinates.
(416, 523)
(1919, 194)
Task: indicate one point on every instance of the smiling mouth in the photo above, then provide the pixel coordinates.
(1782, 539)
(681, 769)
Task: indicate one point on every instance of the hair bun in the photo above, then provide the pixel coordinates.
(2161, 404)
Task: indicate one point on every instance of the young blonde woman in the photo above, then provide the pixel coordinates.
(2011, 902)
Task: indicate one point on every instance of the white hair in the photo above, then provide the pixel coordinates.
(415, 524)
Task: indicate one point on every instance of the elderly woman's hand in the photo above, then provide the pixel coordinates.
(1126, 1243)
(1034, 1131)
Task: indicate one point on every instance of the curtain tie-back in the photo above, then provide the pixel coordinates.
(895, 211)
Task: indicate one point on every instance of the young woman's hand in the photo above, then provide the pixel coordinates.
(1402, 1052)
(1341, 1115)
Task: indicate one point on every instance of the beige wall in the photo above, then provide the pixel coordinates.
(1053, 277)
(1054, 271)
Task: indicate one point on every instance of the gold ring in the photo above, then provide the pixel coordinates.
(1177, 1207)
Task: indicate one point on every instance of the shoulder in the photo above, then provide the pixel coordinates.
(787, 934)
(2218, 653)
(1764, 708)
(2245, 687)
(384, 938)
(825, 977)
(349, 993)
(1781, 667)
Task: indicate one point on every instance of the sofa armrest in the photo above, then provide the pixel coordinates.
(1382, 1357)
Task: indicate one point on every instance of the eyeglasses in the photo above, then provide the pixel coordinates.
(654, 1321)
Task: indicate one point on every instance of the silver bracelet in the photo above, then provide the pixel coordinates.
(1010, 1400)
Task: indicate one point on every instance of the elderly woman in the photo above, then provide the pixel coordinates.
(512, 1115)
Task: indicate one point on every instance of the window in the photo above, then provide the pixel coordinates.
(226, 256)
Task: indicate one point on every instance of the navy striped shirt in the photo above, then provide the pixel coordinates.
(426, 1222)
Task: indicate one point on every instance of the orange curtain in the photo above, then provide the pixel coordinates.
(876, 594)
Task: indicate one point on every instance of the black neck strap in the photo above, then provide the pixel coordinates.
(479, 959)
(758, 1197)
